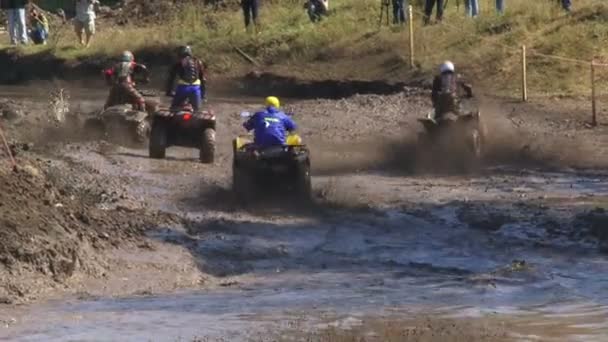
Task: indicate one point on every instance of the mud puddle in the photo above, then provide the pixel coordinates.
(391, 262)
(271, 269)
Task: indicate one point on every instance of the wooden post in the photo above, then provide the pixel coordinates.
(524, 75)
(8, 149)
(410, 21)
(593, 99)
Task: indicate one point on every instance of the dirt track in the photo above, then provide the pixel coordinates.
(377, 231)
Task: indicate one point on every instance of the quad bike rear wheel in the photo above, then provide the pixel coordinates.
(303, 184)
(158, 142)
(207, 148)
(241, 183)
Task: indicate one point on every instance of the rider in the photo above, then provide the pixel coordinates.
(446, 86)
(270, 125)
(190, 74)
(120, 78)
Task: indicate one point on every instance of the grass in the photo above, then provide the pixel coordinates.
(350, 43)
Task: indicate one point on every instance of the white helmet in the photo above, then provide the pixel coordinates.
(446, 66)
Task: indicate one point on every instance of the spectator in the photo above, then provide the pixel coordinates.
(85, 20)
(566, 5)
(40, 27)
(500, 6)
(250, 11)
(428, 10)
(316, 9)
(15, 12)
(399, 11)
(471, 7)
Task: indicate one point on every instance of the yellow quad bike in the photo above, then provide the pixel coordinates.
(277, 167)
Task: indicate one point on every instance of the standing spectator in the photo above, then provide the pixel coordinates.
(500, 6)
(428, 10)
(85, 20)
(15, 12)
(471, 7)
(40, 27)
(399, 11)
(250, 11)
(316, 9)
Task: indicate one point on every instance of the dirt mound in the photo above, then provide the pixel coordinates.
(49, 232)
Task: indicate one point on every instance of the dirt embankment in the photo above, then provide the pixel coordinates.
(57, 218)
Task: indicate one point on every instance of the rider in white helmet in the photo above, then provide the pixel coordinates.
(446, 94)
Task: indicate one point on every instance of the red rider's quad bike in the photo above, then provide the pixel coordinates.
(183, 128)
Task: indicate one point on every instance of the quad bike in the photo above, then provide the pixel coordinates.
(458, 135)
(123, 123)
(183, 128)
(285, 167)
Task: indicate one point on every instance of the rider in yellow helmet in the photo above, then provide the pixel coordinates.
(270, 125)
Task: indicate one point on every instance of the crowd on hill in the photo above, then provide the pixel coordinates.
(26, 22)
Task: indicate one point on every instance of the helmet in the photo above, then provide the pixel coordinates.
(127, 56)
(184, 51)
(446, 66)
(273, 101)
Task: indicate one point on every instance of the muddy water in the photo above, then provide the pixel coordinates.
(328, 265)
(315, 269)
(389, 263)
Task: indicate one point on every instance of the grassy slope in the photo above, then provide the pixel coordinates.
(350, 45)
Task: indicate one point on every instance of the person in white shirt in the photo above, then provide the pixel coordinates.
(85, 20)
(15, 12)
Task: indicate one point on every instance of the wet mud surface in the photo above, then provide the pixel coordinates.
(517, 247)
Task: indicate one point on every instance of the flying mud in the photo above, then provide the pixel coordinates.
(511, 251)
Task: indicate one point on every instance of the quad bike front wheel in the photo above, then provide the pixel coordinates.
(241, 184)
(207, 148)
(158, 142)
(475, 143)
(142, 132)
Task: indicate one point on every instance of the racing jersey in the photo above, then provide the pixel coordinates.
(270, 127)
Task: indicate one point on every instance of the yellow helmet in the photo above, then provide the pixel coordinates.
(273, 101)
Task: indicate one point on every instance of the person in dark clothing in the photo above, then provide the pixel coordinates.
(566, 5)
(446, 95)
(15, 12)
(250, 11)
(316, 9)
(120, 77)
(428, 10)
(190, 74)
(399, 11)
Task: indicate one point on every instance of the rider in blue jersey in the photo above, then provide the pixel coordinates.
(271, 125)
